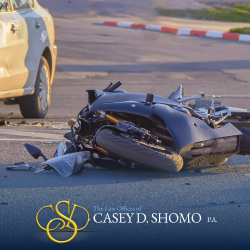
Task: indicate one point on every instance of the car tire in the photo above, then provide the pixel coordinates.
(37, 105)
(112, 141)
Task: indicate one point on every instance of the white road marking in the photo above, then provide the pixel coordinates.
(15, 132)
(40, 140)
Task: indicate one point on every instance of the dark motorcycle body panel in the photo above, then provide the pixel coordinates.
(125, 97)
(185, 129)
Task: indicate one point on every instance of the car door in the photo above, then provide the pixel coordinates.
(34, 26)
(12, 48)
(29, 52)
(4, 25)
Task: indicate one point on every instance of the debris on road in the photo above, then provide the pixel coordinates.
(24, 123)
(21, 166)
(67, 164)
(5, 203)
(39, 124)
(4, 121)
(60, 126)
(198, 170)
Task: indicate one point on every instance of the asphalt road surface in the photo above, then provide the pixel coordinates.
(91, 56)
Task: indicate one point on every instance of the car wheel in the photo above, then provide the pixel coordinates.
(37, 105)
(114, 142)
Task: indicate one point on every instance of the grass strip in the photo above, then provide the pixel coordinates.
(245, 30)
(232, 13)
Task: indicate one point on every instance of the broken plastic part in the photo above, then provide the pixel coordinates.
(21, 166)
(4, 122)
(67, 164)
(61, 149)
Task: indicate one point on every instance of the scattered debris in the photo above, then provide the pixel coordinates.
(5, 203)
(187, 183)
(24, 123)
(198, 170)
(67, 164)
(231, 202)
(37, 124)
(61, 126)
(21, 166)
(212, 203)
(4, 121)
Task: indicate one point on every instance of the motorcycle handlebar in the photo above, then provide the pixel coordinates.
(114, 87)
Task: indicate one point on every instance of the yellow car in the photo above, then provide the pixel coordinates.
(27, 56)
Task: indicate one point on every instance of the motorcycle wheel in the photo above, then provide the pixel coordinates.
(126, 148)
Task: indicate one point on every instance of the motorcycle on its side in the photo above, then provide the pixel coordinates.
(151, 131)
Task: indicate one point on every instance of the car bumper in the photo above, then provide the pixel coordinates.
(54, 57)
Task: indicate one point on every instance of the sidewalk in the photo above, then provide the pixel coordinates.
(198, 24)
(172, 22)
(139, 11)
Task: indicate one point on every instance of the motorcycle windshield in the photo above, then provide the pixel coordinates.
(67, 164)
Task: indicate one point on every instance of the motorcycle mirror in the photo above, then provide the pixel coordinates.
(34, 151)
(69, 136)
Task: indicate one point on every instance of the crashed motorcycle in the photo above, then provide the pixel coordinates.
(151, 131)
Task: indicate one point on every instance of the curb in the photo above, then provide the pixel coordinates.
(180, 32)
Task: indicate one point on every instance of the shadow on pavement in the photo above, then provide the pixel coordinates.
(159, 67)
(27, 179)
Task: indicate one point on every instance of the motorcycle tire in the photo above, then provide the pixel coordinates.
(113, 142)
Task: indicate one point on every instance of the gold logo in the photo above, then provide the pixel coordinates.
(63, 217)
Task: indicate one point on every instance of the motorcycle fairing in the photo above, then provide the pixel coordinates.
(67, 164)
(127, 97)
(185, 129)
